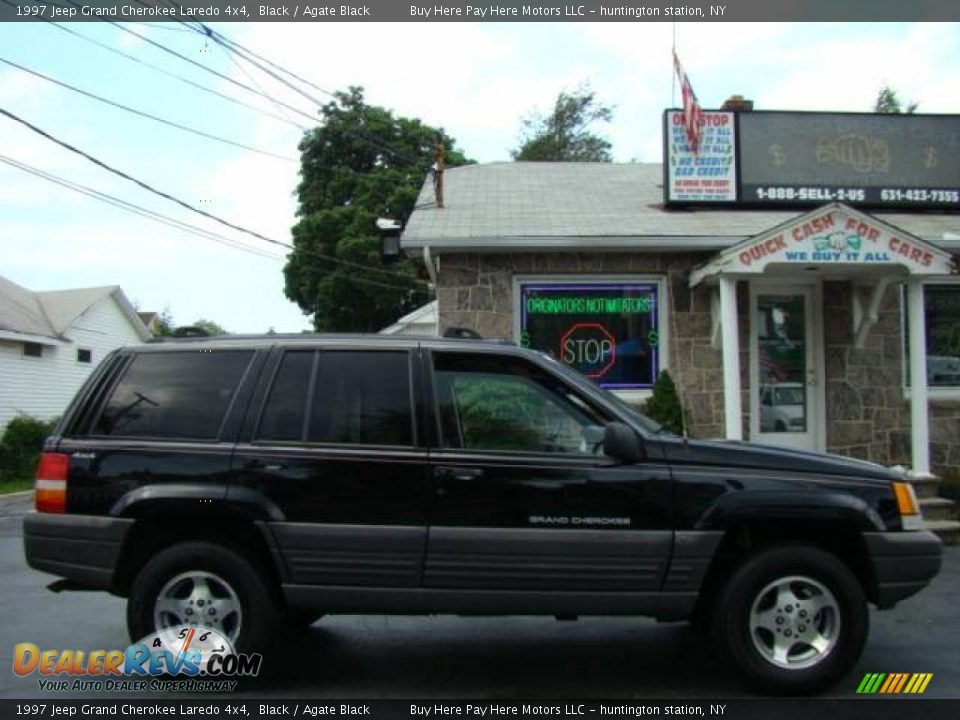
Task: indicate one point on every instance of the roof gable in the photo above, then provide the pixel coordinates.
(51, 313)
(62, 307)
(21, 312)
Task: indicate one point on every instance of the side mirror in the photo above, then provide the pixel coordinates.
(621, 442)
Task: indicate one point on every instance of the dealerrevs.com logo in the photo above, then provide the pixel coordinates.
(179, 659)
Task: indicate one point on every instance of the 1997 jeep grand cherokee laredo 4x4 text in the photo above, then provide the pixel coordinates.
(235, 482)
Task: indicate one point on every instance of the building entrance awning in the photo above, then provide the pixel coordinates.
(835, 241)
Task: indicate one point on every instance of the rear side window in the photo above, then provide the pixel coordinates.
(286, 409)
(362, 397)
(174, 395)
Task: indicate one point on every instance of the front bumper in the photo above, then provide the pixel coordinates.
(903, 563)
(82, 548)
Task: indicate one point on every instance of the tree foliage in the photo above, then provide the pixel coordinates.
(888, 102)
(361, 163)
(564, 134)
(20, 446)
(664, 403)
(164, 325)
(210, 327)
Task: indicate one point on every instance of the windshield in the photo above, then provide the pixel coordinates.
(788, 396)
(639, 418)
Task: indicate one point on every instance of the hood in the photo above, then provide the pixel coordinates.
(734, 453)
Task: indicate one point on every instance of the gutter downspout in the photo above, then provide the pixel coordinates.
(433, 271)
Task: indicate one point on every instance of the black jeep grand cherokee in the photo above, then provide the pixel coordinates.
(240, 483)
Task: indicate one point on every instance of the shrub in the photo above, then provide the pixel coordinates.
(21, 444)
(664, 404)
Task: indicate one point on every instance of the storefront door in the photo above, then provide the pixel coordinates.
(785, 366)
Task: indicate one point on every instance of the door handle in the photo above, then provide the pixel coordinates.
(269, 467)
(460, 474)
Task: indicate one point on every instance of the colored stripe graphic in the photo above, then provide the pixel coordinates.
(894, 683)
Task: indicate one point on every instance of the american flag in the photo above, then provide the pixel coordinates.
(692, 113)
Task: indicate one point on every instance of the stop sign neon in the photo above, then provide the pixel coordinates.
(590, 344)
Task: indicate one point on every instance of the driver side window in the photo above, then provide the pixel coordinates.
(507, 404)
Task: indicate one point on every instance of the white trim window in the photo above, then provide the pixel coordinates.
(941, 300)
(611, 328)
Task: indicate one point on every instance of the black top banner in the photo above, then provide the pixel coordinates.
(477, 11)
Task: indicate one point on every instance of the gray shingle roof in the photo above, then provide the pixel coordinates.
(528, 204)
(51, 313)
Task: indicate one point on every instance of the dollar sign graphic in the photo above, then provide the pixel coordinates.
(930, 158)
(777, 155)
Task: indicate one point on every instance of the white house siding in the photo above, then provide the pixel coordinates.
(43, 387)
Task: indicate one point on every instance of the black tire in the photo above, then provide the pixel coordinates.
(253, 588)
(753, 585)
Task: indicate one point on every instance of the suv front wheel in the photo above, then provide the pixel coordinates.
(199, 583)
(792, 618)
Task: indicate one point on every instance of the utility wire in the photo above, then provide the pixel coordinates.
(140, 113)
(253, 59)
(163, 71)
(168, 220)
(274, 65)
(133, 208)
(125, 176)
(252, 80)
(164, 48)
(192, 208)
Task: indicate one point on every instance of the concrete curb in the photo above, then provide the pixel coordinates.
(15, 498)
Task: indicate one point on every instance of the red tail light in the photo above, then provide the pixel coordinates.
(51, 484)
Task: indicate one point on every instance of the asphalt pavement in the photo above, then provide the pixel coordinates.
(452, 657)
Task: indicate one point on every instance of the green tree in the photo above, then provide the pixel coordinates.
(163, 326)
(210, 327)
(888, 103)
(361, 163)
(664, 403)
(564, 135)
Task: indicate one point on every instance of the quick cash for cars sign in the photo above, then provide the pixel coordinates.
(607, 331)
(832, 235)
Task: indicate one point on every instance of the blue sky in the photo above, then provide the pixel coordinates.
(476, 81)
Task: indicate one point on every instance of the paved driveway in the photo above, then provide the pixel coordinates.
(448, 657)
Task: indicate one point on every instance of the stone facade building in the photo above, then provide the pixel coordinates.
(763, 345)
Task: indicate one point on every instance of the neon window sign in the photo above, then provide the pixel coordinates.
(607, 331)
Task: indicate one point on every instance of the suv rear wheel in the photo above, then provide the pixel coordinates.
(792, 618)
(198, 583)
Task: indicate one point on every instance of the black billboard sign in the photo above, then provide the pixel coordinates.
(806, 159)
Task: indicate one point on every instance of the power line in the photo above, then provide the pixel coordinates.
(204, 213)
(166, 219)
(133, 208)
(140, 113)
(205, 68)
(237, 49)
(209, 31)
(163, 71)
(250, 77)
(125, 176)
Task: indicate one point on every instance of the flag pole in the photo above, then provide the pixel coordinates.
(673, 73)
